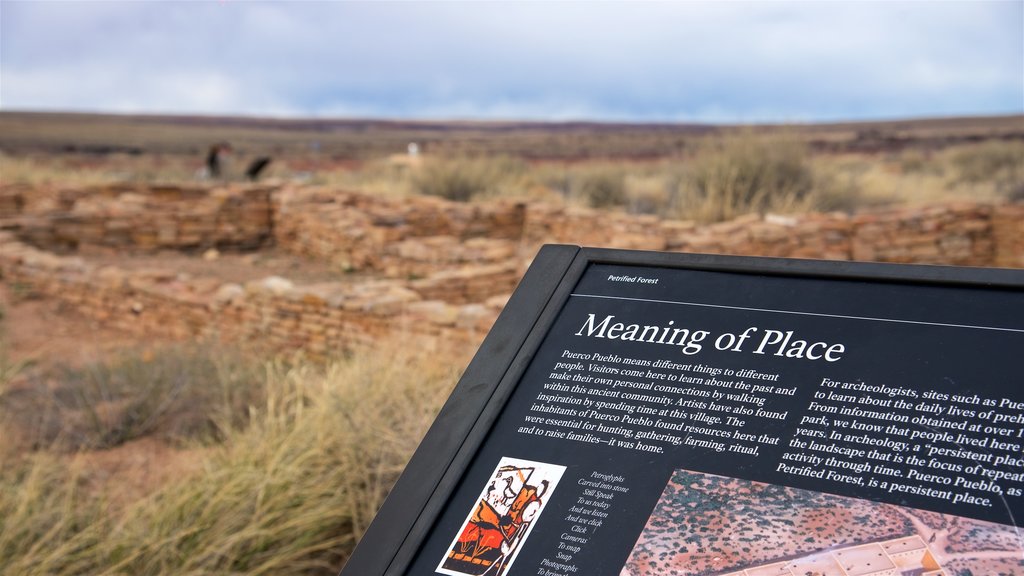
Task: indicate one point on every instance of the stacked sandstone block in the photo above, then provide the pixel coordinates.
(1008, 235)
(440, 268)
(147, 218)
(959, 234)
(965, 234)
(325, 318)
(588, 227)
(396, 237)
(12, 201)
(153, 302)
(811, 236)
(321, 319)
(469, 284)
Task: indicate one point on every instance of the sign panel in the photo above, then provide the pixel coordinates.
(732, 416)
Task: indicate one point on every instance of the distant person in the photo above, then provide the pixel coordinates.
(214, 160)
(256, 167)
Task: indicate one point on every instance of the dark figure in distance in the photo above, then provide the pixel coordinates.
(213, 159)
(256, 167)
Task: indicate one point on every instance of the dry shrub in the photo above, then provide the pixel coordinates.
(594, 184)
(926, 162)
(604, 187)
(840, 191)
(650, 193)
(174, 393)
(465, 178)
(745, 173)
(290, 493)
(385, 177)
(84, 169)
(43, 171)
(996, 162)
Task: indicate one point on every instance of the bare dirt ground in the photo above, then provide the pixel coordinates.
(137, 468)
(40, 334)
(43, 332)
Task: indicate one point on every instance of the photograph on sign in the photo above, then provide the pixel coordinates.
(708, 525)
(501, 519)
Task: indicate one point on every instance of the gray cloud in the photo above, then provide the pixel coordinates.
(731, 61)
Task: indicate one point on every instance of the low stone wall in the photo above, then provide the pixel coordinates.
(960, 234)
(436, 267)
(471, 283)
(398, 237)
(12, 200)
(419, 238)
(328, 318)
(141, 218)
(965, 234)
(1008, 235)
(416, 237)
(320, 319)
(823, 236)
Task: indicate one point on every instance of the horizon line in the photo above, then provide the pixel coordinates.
(582, 121)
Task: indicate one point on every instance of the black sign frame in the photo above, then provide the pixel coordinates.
(452, 442)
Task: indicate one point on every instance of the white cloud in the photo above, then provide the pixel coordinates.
(676, 60)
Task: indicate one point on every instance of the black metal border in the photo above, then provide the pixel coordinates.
(453, 440)
(434, 470)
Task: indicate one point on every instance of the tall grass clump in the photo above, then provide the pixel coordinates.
(10, 367)
(745, 173)
(996, 162)
(380, 177)
(47, 518)
(465, 178)
(174, 393)
(604, 187)
(288, 493)
(601, 184)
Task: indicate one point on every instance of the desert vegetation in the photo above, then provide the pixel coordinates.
(138, 437)
(270, 466)
(732, 175)
(689, 172)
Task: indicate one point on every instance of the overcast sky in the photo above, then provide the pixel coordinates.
(669, 61)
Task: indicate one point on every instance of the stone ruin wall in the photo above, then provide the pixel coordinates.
(144, 218)
(320, 319)
(1008, 236)
(395, 236)
(440, 269)
(963, 234)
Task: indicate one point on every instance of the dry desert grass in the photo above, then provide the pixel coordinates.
(290, 461)
(689, 172)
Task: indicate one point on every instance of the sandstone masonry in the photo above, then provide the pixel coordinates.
(428, 267)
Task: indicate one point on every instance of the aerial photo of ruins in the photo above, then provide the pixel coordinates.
(706, 525)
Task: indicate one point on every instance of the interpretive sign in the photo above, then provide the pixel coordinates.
(638, 413)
